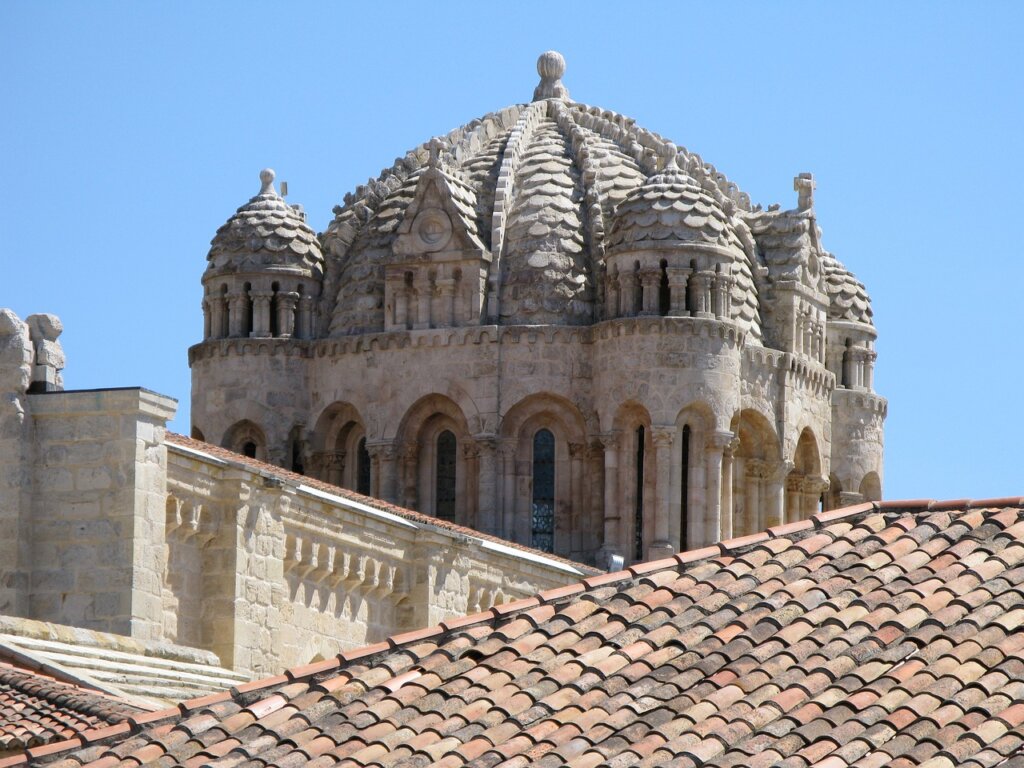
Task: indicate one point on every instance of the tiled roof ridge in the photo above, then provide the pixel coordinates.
(370, 501)
(251, 692)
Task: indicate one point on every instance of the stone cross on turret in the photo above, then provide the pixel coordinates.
(435, 146)
(804, 186)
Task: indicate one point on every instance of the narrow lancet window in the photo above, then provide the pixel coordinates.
(684, 491)
(638, 513)
(362, 468)
(543, 537)
(446, 447)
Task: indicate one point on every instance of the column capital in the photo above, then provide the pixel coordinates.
(577, 450)
(719, 440)
(663, 436)
(781, 470)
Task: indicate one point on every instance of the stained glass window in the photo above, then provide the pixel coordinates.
(543, 537)
(446, 446)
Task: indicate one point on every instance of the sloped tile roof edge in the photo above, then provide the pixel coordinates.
(315, 487)
(335, 664)
(72, 677)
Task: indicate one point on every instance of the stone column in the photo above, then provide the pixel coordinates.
(649, 280)
(794, 492)
(466, 486)
(753, 519)
(662, 438)
(775, 503)
(727, 505)
(382, 471)
(507, 449)
(678, 279)
(238, 313)
(627, 294)
(410, 455)
(305, 325)
(720, 304)
(487, 484)
(612, 545)
(207, 318)
(612, 295)
(402, 302)
(714, 452)
(700, 293)
(286, 302)
(423, 316)
(594, 522)
(260, 313)
(446, 294)
(217, 317)
(577, 451)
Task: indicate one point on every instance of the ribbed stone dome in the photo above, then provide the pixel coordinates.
(266, 234)
(547, 178)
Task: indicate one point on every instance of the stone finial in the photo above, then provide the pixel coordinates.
(804, 186)
(668, 152)
(435, 146)
(550, 67)
(267, 182)
(49, 355)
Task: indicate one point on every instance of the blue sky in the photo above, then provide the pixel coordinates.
(132, 130)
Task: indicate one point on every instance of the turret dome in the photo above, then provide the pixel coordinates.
(266, 234)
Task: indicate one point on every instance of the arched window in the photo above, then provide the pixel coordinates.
(444, 507)
(362, 468)
(638, 513)
(249, 449)
(543, 536)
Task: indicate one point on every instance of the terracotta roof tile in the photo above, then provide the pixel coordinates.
(885, 635)
(38, 708)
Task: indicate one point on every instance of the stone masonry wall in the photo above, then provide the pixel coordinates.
(292, 572)
(98, 475)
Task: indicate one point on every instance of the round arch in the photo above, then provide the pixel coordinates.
(339, 448)
(425, 460)
(543, 481)
(754, 458)
(246, 438)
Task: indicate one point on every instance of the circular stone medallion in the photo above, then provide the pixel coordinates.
(434, 228)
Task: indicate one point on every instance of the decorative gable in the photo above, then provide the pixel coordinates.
(438, 272)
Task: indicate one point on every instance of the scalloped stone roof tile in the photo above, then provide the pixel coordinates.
(266, 230)
(808, 645)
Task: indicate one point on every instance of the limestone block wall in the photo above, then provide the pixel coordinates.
(98, 473)
(289, 571)
(857, 424)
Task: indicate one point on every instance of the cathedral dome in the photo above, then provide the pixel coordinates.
(266, 234)
(546, 179)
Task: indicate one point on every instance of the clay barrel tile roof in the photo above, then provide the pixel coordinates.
(818, 646)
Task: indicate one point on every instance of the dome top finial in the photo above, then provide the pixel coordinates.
(550, 67)
(669, 152)
(267, 181)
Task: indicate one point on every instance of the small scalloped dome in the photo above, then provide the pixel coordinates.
(266, 233)
(668, 209)
(848, 298)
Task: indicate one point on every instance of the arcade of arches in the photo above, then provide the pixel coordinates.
(639, 490)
